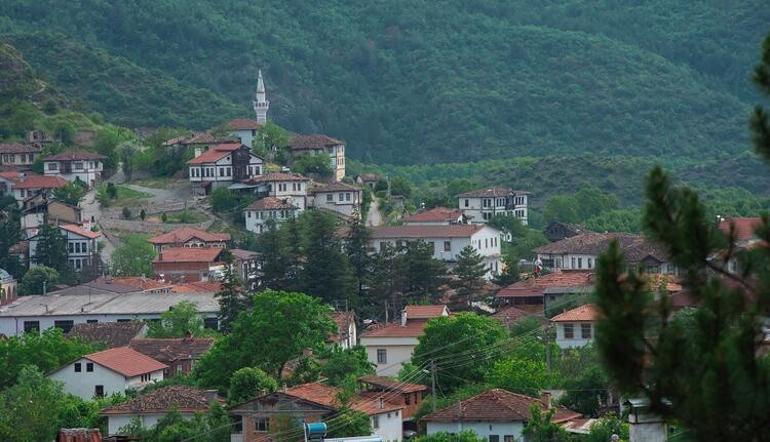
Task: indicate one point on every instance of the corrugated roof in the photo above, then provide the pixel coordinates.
(587, 312)
(429, 231)
(126, 361)
(496, 405)
(184, 234)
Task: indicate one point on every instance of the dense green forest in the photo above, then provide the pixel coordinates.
(409, 81)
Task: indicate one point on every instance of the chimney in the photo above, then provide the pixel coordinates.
(546, 397)
(403, 318)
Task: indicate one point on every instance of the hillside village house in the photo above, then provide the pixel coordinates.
(179, 354)
(368, 179)
(149, 408)
(189, 237)
(576, 327)
(39, 210)
(246, 265)
(246, 130)
(556, 231)
(340, 198)
(31, 185)
(186, 264)
(535, 294)
(8, 290)
(743, 229)
(321, 145)
(76, 165)
(82, 250)
(347, 333)
(223, 165)
(197, 142)
(496, 415)
(314, 402)
(479, 206)
(282, 185)
(106, 372)
(437, 216)
(258, 213)
(404, 393)
(447, 241)
(97, 302)
(16, 156)
(388, 346)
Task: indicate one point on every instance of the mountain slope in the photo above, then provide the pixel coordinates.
(410, 81)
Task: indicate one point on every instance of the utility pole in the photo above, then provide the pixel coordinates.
(433, 383)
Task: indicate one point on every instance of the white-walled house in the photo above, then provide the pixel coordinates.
(340, 198)
(106, 372)
(245, 129)
(281, 185)
(223, 165)
(25, 185)
(18, 156)
(479, 206)
(447, 241)
(576, 327)
(76, 165)
(496, 415)
(258, 213)
(321, 145)
(149, 408)
(82, 250)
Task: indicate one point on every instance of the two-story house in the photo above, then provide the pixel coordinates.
(405, 393)
(321, 145)
(189, 264)
(258, 213)
(189, 237)
(245, 129)
(291, 187)
(197, 143)
(447, 241)
(479, 206)
(31, 185)
(16, 156)
(76, 165)
(106, 372)
(82, 249)
(223, 165)
(39, 210)
(576, 327)
(340, 198)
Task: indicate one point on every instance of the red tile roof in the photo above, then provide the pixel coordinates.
(111, 334)
(375, 402)
(176, 397)
(744, 227)
(243, 123)
(429, 231)
(216, 153)
(189, 254)
(40, 182)
(184, 234)
(243, 254)
(172, 349)
(587, 312)
(270, 203)
(559, 279)
(392, 384)
(424, 311)
(125, 361)
(313, 142)
(326, 396)
(435, 215)
(412, 329)
(496, 405)
(75, 155)
(12, 175)
(276, 176)
(198, 287)
(80, 231)
(19, 148)
(508, 315)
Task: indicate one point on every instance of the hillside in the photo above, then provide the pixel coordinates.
(415, 81)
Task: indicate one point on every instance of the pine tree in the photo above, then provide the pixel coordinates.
(326, 272)
(51, 249)
(384, 282)
(10, 228)
(357, 248)
(700, 367)
(231, 297)
(423, 274)
(276, 262)
(470, 270)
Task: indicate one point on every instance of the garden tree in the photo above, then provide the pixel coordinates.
(231, 296)
(341, 364)
(275, 330)
(384, 284)
(469, 270)
(469, 333)
(315, 165)
(273, 246)
(133, 257)
(248, 383)
(47, 351)
(71, 193)
(126, 212)
(31, 407)
(520, 375)
(422, 273)
(52, 249)
(326, 272)
(112, 191)
(584, 379)
(357, 249)
(606, 426)
(400, 186)
(173, 427)
(223, 200)
(541, 428)
(38, 280)
(350, 423)
(179, 321)
(305, 369)
(142, 214)
(463, 436)
(10, 234)
(702, 368)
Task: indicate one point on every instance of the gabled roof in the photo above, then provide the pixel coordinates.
(276, 176)
(12, 175)
(425, 311)
(412, 329)
(509, 315)
(334, 187)
(175, 397)
(744, 227)
(270, 203)
(216, 153)
(75, 155)
(326, 396)
(40, 182)
(184, 234)
(560, 281)
(587, 312)
(125, 361)
(635, 247)
(243, 124)
(312, 142)
(243, 254)
(77, 230)
(496, 405)
(492, 192)
(172, 349)
(19, 148)
(199, 138)
(111, 334)
(189, 254)
(428, 231)
(391, 384)
(434, 215)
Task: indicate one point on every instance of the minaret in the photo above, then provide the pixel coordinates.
(261, 104)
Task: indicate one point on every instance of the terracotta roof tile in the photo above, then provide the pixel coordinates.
(496, 405)
(325, 395)
(635, 247)
(412, 329)
(40, 182)
(334, 187)
(509, 315)
(744, 227)
(270, 203)
(125, 361)
(435, 215)
(392, 384)
(75, 155)
(19, 148)
(312, 142)
(173, 349)
(243, 123)
(244, 254)
(587, 312)
(559, 279)
(80, 231)
(176, 397)
(374, 402)
(184, 234)
(425, 311)
(429, 231)
(189, 254)
(198, 287)
(216, 153)
(111, 334)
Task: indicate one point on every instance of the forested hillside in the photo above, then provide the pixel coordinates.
(408, 81)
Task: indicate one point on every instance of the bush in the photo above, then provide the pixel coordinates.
(33, 281)
(127, 213)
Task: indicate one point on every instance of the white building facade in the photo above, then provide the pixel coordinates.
(321, 145)
(340, 198)
(225, 164)
(258, 214)
(82, 248)
(86, 167)
(479, 206)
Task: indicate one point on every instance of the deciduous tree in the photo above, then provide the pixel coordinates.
(248, 383)
(182, 319)
(133, 257)
(38, 279)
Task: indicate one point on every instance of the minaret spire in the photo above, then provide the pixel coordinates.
(260, 103)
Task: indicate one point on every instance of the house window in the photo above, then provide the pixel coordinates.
(90, 367)
(466, 203)
(92, 321)
(329, 197)
(375, 422)
(30, 326)
(65, 326)
(53, 166)
(78, 367)
(347, 196)
(569, 331)
(99, 391)
(211, 323)
(382, 356)
(71, 247)
(590, 263)
(447, 246)
(573, 262)
(248, 214)
(261, 424)
(494, 438)
(580, 263)
(585, 331)
(77, 165)
(342, 197)
(508, 438)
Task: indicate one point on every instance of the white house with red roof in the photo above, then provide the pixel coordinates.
(223, 165)
(440, 216)
(576, 327)
(290, 187)
(258, 213)
(82, 248)
(186, 264)
(389, 346)
(106, 372)
(447, 241)
(481, 205)
(189, 237)
(317, 144)
(75, 165)
(25, 185)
